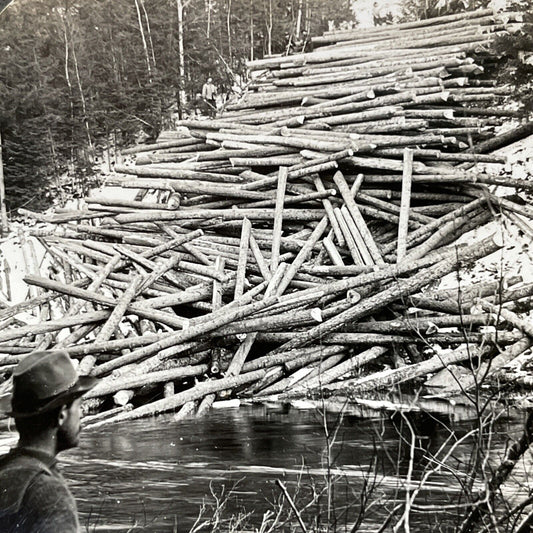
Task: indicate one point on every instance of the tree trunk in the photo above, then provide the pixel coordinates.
(299, 19)
(80, 89)
(269, 24)
(181, 60)
(145, 46)
(69, 85)
(208, 29)
(4, 226)
(149, 32)
(228, 29)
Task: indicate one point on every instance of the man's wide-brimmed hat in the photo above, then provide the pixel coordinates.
(44, 380)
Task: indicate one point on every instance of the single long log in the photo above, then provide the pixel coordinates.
(297, 142)
(243, 257)
(487, 369)
(449, 338)
(339, 371)
(111, 384)
(423, 325)
(395, 376)
(195, 393)
(177, 175)
(220, 214)
(143, 311)
(53, 325)
(278, 217)
(132, 204)
(160, 145)
(302, 255)
(405, 204)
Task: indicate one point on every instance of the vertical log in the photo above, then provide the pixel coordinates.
(7, 273)
(169, 389)
(328, 207)
(27, 261)
(243, 258)
(405, 204)
(217, 285)
(302, 255)
(278, 217)
(359, 240)
(260, 259)
(347, 196)
(208, 400)
(332, 251)
(87, 363)
(349, 239)
(4, 226)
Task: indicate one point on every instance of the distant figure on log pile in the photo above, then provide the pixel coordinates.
(46, 405)
(381, 16)
(209, 93)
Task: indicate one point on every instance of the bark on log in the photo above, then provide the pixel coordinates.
(395, 376)
(386, 297)
(195, 393)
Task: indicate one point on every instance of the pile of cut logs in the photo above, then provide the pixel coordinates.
(295, 243)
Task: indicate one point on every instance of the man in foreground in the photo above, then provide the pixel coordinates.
(46, 406)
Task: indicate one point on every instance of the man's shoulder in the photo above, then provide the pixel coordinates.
(35, 497)
(17, 473)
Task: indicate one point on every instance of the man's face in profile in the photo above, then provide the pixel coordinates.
(68, 434)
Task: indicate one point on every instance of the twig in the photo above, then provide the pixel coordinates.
(291, 503)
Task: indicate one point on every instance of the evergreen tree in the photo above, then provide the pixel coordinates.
(75, 71)
(516, 52)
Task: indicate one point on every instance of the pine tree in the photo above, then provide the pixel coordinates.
(75, 71)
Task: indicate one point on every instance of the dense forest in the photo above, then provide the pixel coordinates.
(76, 73)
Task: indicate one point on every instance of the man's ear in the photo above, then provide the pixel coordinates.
(62, 415)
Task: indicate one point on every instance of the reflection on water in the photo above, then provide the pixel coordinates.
(153, 475)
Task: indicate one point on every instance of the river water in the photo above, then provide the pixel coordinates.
(154, 475)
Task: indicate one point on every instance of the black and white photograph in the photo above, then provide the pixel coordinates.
(266, 266)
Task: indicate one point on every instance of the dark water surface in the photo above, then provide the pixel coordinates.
(153, 475)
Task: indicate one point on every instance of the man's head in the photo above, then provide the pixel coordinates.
(209, 80)
(47, 397)
(62, 423)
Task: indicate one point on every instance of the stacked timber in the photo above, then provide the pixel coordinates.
(296, 242)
